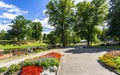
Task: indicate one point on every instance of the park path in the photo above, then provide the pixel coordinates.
(83, 61)
(75, 61)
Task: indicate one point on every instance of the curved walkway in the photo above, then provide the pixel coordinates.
(83, 61)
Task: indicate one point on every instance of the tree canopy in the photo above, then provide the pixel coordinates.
(89, 15)
(114, 18)
(59, 12)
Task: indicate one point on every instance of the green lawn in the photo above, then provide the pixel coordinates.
(3, 47)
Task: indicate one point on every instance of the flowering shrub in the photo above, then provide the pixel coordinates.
(54, 54)
(111, 59)
(31, 70)
(31, 66)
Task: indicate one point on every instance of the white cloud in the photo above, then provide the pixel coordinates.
(4, 5)
(8, 15)
(10, 11)
(46, 27)
(5, 27)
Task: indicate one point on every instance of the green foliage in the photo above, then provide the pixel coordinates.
(108, 61)
(49, 62)
(3, 34)
(27, 63)
(53, 38)
(3, 69)
(117, 60)
(88, 16)
(114, 18)
(20, 26)
(13, 68)
(59, 12)
(11, 46)
(53, 62)
(36, 30)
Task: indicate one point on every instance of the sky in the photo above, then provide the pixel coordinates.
(31, 9)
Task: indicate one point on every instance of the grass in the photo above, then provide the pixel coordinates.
(3, 47)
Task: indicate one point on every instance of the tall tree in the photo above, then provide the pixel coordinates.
(89, 15)
(19, 28)
(114, 18)
(53, 38)
(59, 12)
(3, 35)
(36, 30)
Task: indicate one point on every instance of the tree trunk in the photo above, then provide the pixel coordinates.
(63, 39)
(88, 41)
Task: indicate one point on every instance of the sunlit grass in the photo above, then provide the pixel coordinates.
(2, 47)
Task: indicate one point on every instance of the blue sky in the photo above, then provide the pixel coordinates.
(30, 9)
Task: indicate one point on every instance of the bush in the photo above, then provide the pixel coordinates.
(53, 62)
(49, 62)
(3, 69)
(27, 63)
(112, 59)
(108, 61)
(13, 68)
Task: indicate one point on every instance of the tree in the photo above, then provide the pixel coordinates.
(19, 28)
(53, 38)
(89, 15)
(45, 38)
(3, 34)
(36, 30)
(114, 18)
(59, 12)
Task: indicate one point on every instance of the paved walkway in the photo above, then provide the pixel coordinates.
(83, 61)
(76, 61)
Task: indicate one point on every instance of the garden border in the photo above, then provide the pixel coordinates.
(59, 67)
(107, 67)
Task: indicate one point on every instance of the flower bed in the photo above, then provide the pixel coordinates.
(41, 65)
(111, 60)
(31, 70)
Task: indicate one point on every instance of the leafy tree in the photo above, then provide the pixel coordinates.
(3, 34)
(89, 15)
(45, 38)
(114, 18)
(59, 12)
(53, 38)
(19, 28)
(36, 30)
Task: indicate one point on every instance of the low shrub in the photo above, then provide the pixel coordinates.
(3, 69)
(53, 62)
(111, 59)
(13, 68)
(27, 63)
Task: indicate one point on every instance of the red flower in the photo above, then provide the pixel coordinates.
(54, 54)
(31, 70)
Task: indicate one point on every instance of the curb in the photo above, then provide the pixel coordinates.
(59, 67)
(107, 67)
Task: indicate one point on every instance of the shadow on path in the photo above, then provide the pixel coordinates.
(80, 49)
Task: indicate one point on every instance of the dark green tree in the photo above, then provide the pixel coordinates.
(19, 28)
(114, 18)
(3, 34)
(89, 15)
(37, 30)
(53, 38)
(59, 12)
